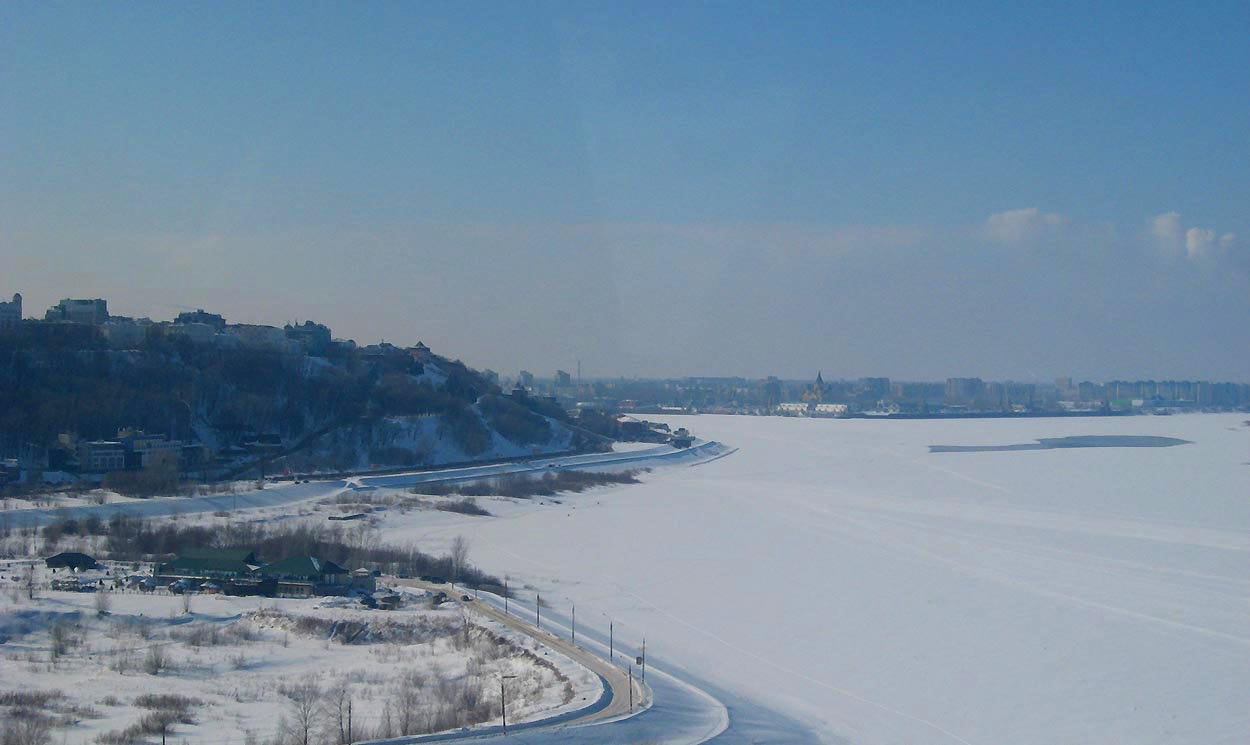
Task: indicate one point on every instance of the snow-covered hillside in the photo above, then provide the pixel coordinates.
(840, 573)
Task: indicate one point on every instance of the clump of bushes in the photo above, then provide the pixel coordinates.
(514, 421)
(467, 506)
(521, 486)
(465, 428)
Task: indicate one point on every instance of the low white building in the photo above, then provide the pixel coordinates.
(125, 333)
(258, 337)
(200, 333)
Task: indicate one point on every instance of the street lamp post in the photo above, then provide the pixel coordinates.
(503, 704)
(611, 649)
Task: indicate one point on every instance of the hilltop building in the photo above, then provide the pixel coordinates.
(11, 315)
(91, 312)
(218, 322)
(125, 333)
(257, 336)
(421, 353)
(314, 337)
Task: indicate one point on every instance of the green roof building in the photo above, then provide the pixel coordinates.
(209, 563)
(308, 575)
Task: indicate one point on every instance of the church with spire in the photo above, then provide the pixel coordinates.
(815, 393)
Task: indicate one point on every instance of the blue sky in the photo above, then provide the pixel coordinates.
(655, 188)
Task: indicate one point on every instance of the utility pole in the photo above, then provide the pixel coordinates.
(505, 596)
(538, 611)
(631, 687)
(575, 624)
(611, 654)
(644, 659)
(503, 706)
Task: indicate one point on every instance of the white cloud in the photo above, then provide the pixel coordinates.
(1198, 242)
(1023, 224)
(1167, 228)
(1014, 226)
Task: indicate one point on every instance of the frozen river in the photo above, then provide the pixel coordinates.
(840, 574)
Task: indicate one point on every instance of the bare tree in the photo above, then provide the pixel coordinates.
(343, 713)
(155, 661)
(305, 707)
(408, 702)
(459, 557)
(159, 723)
(103, 602)
(386, 727)
(26, 727)
(60, 639)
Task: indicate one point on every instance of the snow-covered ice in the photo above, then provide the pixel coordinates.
(839, 573)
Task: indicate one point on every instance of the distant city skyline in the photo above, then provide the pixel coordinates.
(1015, 193)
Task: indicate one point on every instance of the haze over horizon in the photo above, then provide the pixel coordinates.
(658, 190)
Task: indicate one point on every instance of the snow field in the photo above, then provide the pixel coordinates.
(243, 659)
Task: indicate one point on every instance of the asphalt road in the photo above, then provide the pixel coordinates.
(620, 701)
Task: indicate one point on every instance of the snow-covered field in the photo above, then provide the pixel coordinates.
(839, 573)
(244, 664)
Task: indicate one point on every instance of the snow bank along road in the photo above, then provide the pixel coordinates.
(277, 496)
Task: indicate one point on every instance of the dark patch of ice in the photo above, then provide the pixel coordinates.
(1078, 441)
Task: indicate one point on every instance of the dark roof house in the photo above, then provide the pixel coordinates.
(308, 575)
(70, 560)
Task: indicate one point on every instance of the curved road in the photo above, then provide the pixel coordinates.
(680, 708)
(617, 701)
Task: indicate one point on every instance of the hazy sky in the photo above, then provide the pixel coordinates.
(654, 189)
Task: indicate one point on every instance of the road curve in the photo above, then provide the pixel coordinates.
(618, 700)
